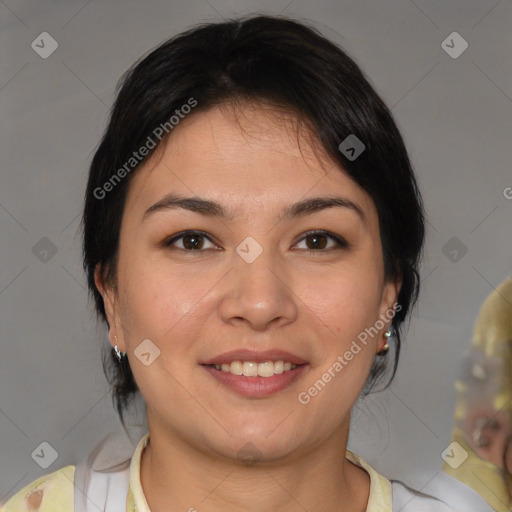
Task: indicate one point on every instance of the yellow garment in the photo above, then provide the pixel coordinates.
(481, 476)
(487, 378)
(49, 493)
(57, 489)
(493, 328)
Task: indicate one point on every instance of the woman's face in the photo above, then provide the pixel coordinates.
(255, 281)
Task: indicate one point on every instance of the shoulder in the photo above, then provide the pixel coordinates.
(445, 494)
(395, 496)
(49, 493)
(407, 499)
(102, 477)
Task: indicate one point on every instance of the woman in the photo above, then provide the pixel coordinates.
(252, 236)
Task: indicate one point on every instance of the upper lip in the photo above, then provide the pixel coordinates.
(257, 356)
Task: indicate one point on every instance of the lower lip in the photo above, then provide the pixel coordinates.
(257, 387)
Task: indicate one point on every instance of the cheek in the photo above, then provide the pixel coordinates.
(347, 301)
(158, 304)
(344, 310)
(165, 310)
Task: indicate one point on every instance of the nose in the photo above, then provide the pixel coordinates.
(259, 294)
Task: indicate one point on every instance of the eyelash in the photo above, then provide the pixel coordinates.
(340, 242)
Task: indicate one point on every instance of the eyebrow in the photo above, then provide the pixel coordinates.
(212, 208)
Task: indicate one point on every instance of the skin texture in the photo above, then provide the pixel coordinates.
(196, 305)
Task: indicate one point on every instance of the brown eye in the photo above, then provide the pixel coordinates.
(191, 241)
(318, 240)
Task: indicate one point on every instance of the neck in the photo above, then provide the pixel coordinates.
(176, 476)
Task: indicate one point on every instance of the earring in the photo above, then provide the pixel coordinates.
(119, 354)
(385, 348)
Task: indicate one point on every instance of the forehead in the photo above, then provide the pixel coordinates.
(247, 126)
(248, 155)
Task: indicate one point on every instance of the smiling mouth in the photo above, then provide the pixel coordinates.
(253, 369)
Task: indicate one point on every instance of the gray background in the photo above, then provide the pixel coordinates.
(456, 118)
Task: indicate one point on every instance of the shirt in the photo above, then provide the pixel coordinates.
(109, 481)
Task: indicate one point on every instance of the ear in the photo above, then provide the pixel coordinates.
(109, 295)
(390, 292)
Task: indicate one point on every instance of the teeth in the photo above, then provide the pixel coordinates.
(235, 367)
(252, 369)
(278, 367)
(266, 369)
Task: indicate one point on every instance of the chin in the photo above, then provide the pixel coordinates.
(256, 446)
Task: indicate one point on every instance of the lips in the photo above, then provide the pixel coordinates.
(256, 356)
(257, 387)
